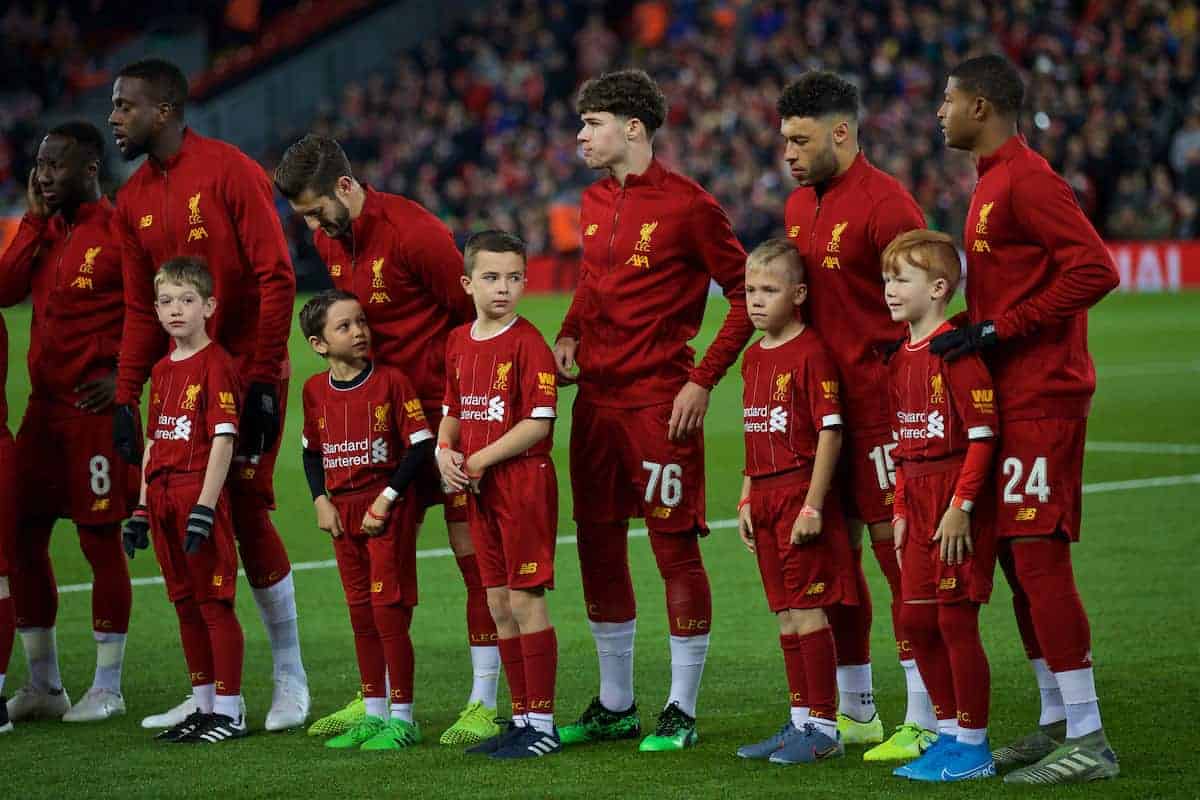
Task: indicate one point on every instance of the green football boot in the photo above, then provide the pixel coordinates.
(1088, 758)
(676, 731)
(396, 735)
(598, 724)
(1032, 747)
(340, 721)
(354, 738)
(908, 742)
(854, 732)
(476, 723)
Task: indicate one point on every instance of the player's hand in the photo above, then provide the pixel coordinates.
(687, 412)
(564, 357)
(135, 533)
(34, 199)
(807, 525)
(98, 394)
(260, 419)
(474, 468)
(375, 519)
(127, 438)
(746, 527)
(450, 464)
(199, 528)
(961, 341)
(899, 528)
(954, 533)
(328, 519)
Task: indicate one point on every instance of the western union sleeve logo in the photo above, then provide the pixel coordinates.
(548, 384)
(829, 389)
(984, 400)
(225, 400)
(414, 411)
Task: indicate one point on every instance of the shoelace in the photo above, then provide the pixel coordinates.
(671, 719)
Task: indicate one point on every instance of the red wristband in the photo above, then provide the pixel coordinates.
(376, 517)
(743, 502)
(443, 445)
(809, 511)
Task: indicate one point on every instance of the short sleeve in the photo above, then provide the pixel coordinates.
(538, 381)
(973, 395)
(407, 413)
(823, 386)
(222, 398)
(310, 435)
(452, 402)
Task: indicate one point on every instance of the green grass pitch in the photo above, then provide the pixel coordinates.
(1135, 566)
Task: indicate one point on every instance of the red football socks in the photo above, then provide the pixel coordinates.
(513, 659)
(481, 628)
(31, 580)
(793, 662)
(959, 624)
(540, 652)
(933, 659)
(1020, 603)
(885, 554)
(1043, 569)
(263, 554)
(852, 624)
(604, 569)
(372, 664)
(689, 598)
(227, 643)
(112, 595)
(820, 670)
(193, 634)
(393, 623)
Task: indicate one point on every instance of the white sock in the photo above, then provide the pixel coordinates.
(402, 711)
(229, 705)
(688, 654)
(1078, 688)
(825, 726)
(485, 672)
(277, 607)
(972, 736)
(856, 695)
(41, 656)
(376, 707)
(521, 720)
(948, 727)
(542, 722)
(110, 656)
(920, 707)
(1052, 700)
(614, 648)
(205, 696)
(799, 716)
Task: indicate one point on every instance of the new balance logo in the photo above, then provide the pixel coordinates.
(815, 588)
(379, 451)
(778, 421)
(935, 426)
(1026, 514)
(528, 568)
(947, 584)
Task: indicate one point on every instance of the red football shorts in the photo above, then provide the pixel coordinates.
(623, 466)
(211, 572)
(815, 574)
(379, 569)
(866, 475)
(8, 499)
(254, 476)
(69, 467)
(429, 483)
(1039, 477)
(928, 489)
(514, 522)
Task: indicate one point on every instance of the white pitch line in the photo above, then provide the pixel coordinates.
(1156, 448)
(440, 552)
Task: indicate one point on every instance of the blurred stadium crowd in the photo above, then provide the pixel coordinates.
(479, 126)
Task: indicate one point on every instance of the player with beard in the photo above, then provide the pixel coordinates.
(195, 196)
(1036, 265)
(403, 264)
(843, 215)
(66, 258)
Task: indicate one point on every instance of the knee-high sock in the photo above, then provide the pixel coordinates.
(793, 662)
(112, 595)
(852, 624)
(611, 609)
(481, 634)
(228, 646)
(820, 670)
(197, 648)
(933, 659)
(31, 580)
(959, 626)
(540, 654)
(372, 663)
(689, 610)
(513, 658)
(277, 607)
(393, 623)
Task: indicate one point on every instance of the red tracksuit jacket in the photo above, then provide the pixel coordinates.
(1035, 265)
(73, 271)
(209, 200)
(403, 265)
(841, 234)
(650, 248)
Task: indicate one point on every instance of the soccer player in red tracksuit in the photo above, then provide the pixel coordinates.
(365, 444)
(401, 261)
(1035, 266)
(944, 421)
(202, 197)
(8, 519)
(842, 216)
(652, 243)
(65, 256)
(789, 515)
(184, 501)
(494, 440)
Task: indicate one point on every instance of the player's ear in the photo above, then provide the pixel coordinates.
(466, 283)
(210, 307)
(318, 344)
(344, 186)
(939, 289)
(800, 293)
(840, 131)
(981, 107)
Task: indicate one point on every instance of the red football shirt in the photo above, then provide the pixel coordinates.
(191, 402)
(402, 263)
(791, 393)
(363, 431)
(1035, 265)
(841, 233)
(938, 407)
(494, 383)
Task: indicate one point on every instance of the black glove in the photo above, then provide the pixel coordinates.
(127, 438)
(260, 419)
(199, 528)
(888, 350)
(960, 341)
(135, 533)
